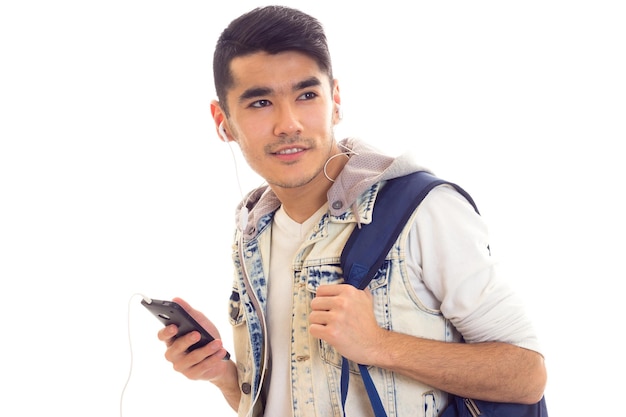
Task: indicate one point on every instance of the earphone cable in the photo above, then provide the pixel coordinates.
(130, 348)
(232, 152)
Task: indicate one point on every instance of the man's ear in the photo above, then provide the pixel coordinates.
(219, 117)
(337, 113)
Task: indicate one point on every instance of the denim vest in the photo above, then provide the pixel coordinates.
(315, 365)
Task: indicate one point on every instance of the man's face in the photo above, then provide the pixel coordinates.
(282, 114)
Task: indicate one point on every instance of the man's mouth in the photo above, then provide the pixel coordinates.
(289, 151)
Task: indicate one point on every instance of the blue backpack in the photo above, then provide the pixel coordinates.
(363, 255)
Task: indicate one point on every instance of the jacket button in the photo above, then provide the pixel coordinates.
(337, 204)
(246, 388)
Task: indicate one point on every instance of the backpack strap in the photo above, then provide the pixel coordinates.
(368, 246)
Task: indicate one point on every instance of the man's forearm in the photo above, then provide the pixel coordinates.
(489, 371)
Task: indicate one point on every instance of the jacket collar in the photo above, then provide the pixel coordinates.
(347, 200)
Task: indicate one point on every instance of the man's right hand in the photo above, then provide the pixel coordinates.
(205, 363)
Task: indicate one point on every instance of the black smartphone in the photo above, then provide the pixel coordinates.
(169, 312)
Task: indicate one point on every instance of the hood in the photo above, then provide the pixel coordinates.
(366, 167)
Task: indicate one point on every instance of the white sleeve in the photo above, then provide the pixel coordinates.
(452, 271)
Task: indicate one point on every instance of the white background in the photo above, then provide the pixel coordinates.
(113, 181)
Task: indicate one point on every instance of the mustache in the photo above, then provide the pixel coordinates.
(290, 140)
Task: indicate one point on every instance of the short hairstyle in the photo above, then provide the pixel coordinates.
(271, 29)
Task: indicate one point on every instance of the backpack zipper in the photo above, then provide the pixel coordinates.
(472, 407)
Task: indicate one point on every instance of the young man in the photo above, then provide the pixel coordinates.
(293, 319)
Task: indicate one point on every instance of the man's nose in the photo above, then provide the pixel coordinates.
(287, 122)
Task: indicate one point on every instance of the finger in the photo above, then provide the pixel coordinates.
(195, 363)
(317, 304)
(184, 304)
(320, 317)
(213, 350)
(207, 368)
(328, 290)
(167, 333)
(316, 318)
(322, 303)
(178, 347)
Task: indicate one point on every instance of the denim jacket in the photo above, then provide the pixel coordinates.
(315, 365)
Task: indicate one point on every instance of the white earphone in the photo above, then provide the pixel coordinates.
(339, 112)
(223, 134)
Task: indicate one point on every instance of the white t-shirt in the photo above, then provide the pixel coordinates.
(287, 236)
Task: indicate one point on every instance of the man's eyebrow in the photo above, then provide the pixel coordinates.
(255, 92)
(309, 82)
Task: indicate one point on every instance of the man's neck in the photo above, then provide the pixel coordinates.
(302, 202)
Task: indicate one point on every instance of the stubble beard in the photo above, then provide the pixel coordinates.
(310, 146)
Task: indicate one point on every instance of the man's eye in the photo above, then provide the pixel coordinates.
(307, 96)
(260, 103)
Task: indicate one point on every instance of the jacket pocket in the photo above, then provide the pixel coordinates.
(333, 274)
(235, 309)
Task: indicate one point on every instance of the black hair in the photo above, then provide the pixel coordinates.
(270, 29)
